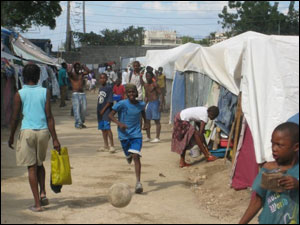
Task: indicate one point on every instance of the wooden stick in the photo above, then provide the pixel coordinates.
(237, 128)
(229, 138)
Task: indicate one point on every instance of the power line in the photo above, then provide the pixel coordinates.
(197, 10)
(144, 17)
(93, 21)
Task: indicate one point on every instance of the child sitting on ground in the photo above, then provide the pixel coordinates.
(105, 101)
(283, 207)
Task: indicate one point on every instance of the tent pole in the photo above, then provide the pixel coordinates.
(230, 137)
(237, 128)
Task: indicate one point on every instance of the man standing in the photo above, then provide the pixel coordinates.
(78, 97)
(62, 81)
(135, 77)
(162, 83)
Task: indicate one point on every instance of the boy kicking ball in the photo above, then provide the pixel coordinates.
(129, 112)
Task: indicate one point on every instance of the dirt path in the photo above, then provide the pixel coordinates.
(167, 198)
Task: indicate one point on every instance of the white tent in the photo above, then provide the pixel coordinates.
(167, 58)
(266, 70)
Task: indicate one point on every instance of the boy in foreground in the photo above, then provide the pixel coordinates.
(129, 112)
(283, 207)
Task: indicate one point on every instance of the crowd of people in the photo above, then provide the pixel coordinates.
(138, 101)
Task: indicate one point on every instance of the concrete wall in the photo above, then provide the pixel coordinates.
(103, 54)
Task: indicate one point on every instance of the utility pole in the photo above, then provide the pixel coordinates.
(83, 9)
(68, 34)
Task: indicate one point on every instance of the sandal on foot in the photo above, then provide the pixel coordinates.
(34, 209)
(211, 158)
(184, 165)
(44, 201)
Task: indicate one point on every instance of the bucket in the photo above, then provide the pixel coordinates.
(195, 152)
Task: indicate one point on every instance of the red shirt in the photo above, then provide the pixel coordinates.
(119, 90)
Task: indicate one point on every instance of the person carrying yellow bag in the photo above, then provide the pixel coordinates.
(37, 125)
(60, 167)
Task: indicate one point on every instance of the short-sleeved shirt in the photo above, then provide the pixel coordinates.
(196, 114)
(105, 95)
(130, 115)
(161, 81)
(119, 90)
(62, 77)
(278, 208)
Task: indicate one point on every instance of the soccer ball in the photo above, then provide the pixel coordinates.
(119, 195)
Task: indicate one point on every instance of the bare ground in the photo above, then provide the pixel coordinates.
(170, 194)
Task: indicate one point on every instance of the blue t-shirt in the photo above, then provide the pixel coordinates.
(278, 208)
(105, 95)
(130, 114)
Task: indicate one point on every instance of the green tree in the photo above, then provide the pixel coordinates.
(259, 16)
(128, 36)
(24, 14)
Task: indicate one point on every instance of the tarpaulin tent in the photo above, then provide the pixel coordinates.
(265, 69)
(166, 59)
(27, 50)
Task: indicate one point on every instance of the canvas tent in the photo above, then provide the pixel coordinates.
(125, 62)
(266, 70)
(166, 59)
(27, 50)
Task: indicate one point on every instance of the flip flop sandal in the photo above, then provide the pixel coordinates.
(44, 201)
(34, 209)
(185, 165)
(211, 158)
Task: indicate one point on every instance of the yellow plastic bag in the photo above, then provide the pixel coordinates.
(60, 167)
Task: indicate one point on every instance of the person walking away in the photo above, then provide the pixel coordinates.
(152, 91)
(162, 83)
(105, 101)
(76, 76)
(130, 111)
(63, 84)
(32, 144)
(119, 91)
(281, 207)
(184, 134)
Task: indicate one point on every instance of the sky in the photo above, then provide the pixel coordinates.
(192, 18)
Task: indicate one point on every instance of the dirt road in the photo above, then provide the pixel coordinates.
(167, 196)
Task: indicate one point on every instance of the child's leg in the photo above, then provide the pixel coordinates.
(105, 138)
(33, 181)
(111, 139)
(158, 128)
(148, 128)
(137, 164)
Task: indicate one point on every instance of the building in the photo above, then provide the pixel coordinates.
(218, 37)
(154, 38)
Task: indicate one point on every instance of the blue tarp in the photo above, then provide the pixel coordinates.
(178, 94)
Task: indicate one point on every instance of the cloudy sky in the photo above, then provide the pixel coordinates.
(193, 18)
